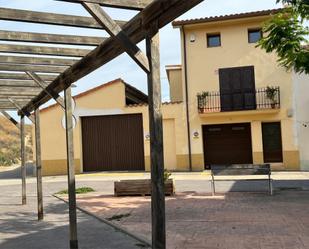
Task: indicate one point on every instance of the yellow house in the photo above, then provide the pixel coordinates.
(230, 103)
(242, 107)
(111, 132)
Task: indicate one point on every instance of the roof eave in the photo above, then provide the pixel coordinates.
(181, 23)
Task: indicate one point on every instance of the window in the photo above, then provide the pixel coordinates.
(254, 35)
(213, 40)
(237, 89)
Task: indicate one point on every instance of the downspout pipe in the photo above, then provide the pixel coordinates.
(187, 96)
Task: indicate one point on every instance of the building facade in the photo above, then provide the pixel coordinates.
(242, 105)
(111, 132)
(230, 103)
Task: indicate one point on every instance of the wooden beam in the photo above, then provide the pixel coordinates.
(36, 60)
(9, 106)
(156, 145)
(18, 107)
(160, 13)
(50, 38)
(5, 104)
(120, 36)
(18, 83)
(41, 50)
(123, 4)
(10, 118)
(71, 168)
(17, 98)
(34, 68)
(23, 159)
(49, 18)
(14, 94)
(24, 76)
(38, 161)
(19, 91)
(44, 86)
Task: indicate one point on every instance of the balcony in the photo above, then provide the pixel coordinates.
(267, 98)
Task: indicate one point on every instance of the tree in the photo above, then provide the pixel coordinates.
(287, 35)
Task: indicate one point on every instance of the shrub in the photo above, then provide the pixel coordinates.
(82, 190)
(167, 175)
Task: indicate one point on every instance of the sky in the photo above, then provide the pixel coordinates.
(123, 66)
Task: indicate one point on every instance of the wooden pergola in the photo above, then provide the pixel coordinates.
(42, 72)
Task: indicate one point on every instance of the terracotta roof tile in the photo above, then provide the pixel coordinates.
(226, 17)
(145, 104)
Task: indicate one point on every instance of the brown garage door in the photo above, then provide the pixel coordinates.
(227, 144)
(113, 143)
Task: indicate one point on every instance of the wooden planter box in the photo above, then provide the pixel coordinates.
(140, 187)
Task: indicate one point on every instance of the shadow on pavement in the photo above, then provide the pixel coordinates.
(20, 229)
(261, 186)
(16, 172)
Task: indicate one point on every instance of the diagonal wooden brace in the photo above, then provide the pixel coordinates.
(44, 86)
(116, 31)
(28, 114)
(9, 117)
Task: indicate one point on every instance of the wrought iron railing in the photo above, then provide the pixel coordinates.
(262, 98)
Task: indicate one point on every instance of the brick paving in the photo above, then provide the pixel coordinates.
(231, 221)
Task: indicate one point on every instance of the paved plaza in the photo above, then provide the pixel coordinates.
(194, 218)
(19, 228)
(231, 221)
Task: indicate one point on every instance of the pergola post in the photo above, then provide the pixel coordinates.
(156, 144)
(38, 164)
(18, 92)
(21, 128)
(71, 168)
(23, 159)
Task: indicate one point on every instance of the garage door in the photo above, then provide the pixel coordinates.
(113, 143)
(227, 144)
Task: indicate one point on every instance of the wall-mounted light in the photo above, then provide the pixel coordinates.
(192, 38)
(290, 113)
(147, 136)
(196, 134)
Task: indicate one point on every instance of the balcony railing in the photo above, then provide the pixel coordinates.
(261, 99)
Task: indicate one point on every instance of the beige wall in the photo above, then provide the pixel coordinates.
(170, 159)
(203, 63)
(235, 51)
(301, 103)
(174, 74)
(174, 132)
(106, 101)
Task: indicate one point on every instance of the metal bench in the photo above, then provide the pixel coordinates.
(241, 170)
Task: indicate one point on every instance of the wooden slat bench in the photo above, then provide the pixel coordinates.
(241, 170)
(140, 187)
